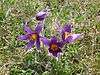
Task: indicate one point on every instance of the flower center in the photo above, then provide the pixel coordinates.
(34, 37)
(66, 35)
(54, 47)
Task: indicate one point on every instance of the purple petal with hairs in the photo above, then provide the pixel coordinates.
(23, 37)
(41, 15)
(30, 44)
(55, 53)
(72, 38)
(67, 28)
(60, 44)
(27, 29)
(45, 41)
(38, 43)
(53, 39)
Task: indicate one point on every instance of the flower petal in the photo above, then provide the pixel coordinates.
(55, 53)
(38, 28)
(53, 39)
(75, 36)
(67, 28)
(72, 38)
(23, 37)
(38, 44)
(27, 29)
(63, 36)
(68, 40)
(30, 44)
(60, 44)
(45, 41)
(41, 15)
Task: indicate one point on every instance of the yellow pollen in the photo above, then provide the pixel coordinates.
(54, 47)
(34, 37)
(66, 35)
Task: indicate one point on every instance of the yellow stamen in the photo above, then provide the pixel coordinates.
(33, 37)
(54, 47)
(66, 35)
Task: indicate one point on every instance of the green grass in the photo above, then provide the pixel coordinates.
(81, 57)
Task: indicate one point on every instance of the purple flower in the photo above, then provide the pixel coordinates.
(54, 46)
(32, 36)
(66, 34)
(40, 16)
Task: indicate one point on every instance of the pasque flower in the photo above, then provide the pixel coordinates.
(40, 16)
(33, 37)
(66, 34)
(54, 46)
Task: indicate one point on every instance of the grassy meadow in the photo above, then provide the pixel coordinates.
(79, 58)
